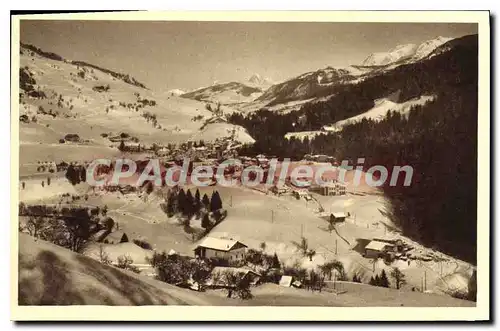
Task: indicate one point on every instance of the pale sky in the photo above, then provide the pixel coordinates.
(188, 55)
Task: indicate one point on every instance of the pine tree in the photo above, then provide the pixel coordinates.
(399, 277)
(72, 175)
(219, 200)
(124, 238)
(205, 221)
(206, 201)
(373, 282)
(171, 203)
(377, 280)
(83, 175)
(276, 262)
(181, 202)
(189, 203)
(215, 201)
(197, 196)
(122, 146)
(384, 281)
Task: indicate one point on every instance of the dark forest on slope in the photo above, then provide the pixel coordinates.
(438, 139)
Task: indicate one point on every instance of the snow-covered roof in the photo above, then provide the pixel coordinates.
(219, 244)
(339, 215)
(286, 281)
(376, 245)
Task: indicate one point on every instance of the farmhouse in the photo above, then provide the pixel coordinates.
(377, 248)
(226, 249)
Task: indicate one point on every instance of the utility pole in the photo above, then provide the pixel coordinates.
(231, 201)
(301, 230)
(425, 280)
(272, 216)
(336, 246)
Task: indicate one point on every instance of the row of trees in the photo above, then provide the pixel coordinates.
(383, 280)
(76, 174)
(71, 228)
(183, 202)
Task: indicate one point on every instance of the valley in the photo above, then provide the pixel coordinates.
(388, 110)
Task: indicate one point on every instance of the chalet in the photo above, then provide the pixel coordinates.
(376, 249)
(226, 249)
(338, 217)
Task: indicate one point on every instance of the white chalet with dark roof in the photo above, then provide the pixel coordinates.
(227, 249)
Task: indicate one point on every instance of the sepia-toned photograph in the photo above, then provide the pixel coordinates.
(303, 163)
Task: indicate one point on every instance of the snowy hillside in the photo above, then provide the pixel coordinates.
(382, 108)
(310, 84)
(91, 104)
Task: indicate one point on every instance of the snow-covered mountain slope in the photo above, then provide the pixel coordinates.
(405, 53)
(226, 93)
(309, 85)
(377, 113)
(398, 53)
(428, 47)
(382, 108)
(59, 97)
(313, 85)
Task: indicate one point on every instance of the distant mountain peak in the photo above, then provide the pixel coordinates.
(258, 80)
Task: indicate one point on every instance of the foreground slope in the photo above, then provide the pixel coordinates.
(51, 275)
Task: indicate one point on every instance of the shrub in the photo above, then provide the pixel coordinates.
(143, 243)
(125, 262)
